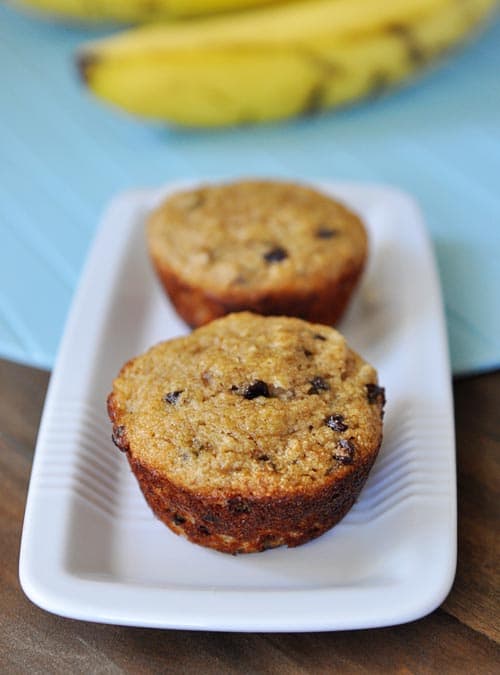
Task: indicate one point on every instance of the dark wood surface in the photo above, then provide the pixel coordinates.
(460, 637)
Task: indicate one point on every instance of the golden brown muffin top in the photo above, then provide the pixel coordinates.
(250, 405)
(256, 235)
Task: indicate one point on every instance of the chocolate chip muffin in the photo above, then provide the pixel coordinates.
(250, 433)
(268, 247)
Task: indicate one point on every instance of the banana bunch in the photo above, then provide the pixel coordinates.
(265, 63)
(274, 62)
(130, 11)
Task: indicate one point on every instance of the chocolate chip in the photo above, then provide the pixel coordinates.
(308, 353)
(318, 384)
(263, 458)
(178, 520)
(336, 422)
(375, 393)
(237, 505)
(256, 389)
(326, 233)
(347, 454)
(276, 254)
(118, 438)
(203, 530)
(173, 396)
(317, 336)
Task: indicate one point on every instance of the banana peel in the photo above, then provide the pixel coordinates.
(133, 11)
(274, 63)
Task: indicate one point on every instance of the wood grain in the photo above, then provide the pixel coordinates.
(461, 637)
(475, 597)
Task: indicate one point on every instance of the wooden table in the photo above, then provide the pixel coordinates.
(460, 637)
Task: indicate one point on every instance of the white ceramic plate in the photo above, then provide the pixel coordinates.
(92, 550)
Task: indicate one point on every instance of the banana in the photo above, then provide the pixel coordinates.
(131, 11)
(277, 62)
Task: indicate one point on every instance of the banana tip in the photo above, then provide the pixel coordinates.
(85, 61)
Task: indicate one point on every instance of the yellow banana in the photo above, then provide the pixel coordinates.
(134, 10)
(276, 62)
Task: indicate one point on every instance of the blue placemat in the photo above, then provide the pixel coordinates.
(63, 155)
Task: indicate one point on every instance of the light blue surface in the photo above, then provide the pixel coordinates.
(63, 156)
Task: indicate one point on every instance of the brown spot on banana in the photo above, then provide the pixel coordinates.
(378, 83)
(314, 99)
(85, 62)
(325, 67)
(416, 55)
(326, 71)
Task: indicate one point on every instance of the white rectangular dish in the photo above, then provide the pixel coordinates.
(92, 550)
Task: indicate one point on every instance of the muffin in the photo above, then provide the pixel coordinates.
(250, 433)
(268, 247)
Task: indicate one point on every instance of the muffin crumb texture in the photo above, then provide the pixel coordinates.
(251, 432)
